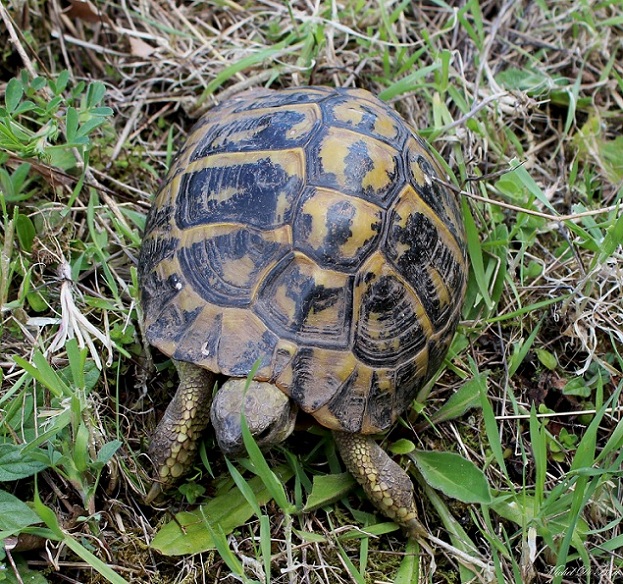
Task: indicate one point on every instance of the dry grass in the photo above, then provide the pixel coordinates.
(525, 103)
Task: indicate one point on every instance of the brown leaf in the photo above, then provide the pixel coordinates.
(84, 10)
(140, 48)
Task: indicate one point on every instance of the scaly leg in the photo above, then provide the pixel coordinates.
(174, 442)
(385, 483)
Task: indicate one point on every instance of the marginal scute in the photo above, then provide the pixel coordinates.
(348, 404)
(429, 257)
(307, 232)
(199, 343)
(313, 378)
(286, 98)
(426, 176)
(172, 323)
(381, 410)
(245, 343)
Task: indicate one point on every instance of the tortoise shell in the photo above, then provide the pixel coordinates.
(303, 232)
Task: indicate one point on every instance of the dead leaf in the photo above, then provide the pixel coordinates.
(85, 10)
(140, 48)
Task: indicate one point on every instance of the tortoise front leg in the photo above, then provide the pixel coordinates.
(385, 483)
(174, 442)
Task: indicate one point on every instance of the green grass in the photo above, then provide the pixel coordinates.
(514, 451)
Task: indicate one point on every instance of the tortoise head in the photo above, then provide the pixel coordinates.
(269, 413)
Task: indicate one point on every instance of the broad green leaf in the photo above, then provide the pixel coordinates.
(95, 93)
(26, 575)
(48, 517)
(310, 537)
(466, 398)
(25, 107)
(13, 94)
(520, 509)
(12, 184)
(41, 370)
(25, 231)
(15, 515)
(108, 450)
(71, 124)
(402, 446)
(17, 464)
(57, 423)
(614, 233)
(547, 359)
(453, 475)
(577, 386)
(593, 146)
(192, 491)
(191, 532)
(59, 84)
(61, 157)
(532, 81)
(81, 447)
(327, 489)
(77, 363)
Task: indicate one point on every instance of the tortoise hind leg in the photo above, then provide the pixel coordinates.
(385, 483)
(174, 442)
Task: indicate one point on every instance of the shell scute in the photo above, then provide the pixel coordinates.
(257, 188)
(429, 257)
(366, 117)
(315, 375)
(233, 261)
(337, 231)
(268, 128)
(245, 343)
(307, 305)
(391, 323)
(355, 164)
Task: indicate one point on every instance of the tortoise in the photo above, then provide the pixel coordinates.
(305, 236)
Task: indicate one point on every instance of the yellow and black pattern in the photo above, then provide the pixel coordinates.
(308, 229)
